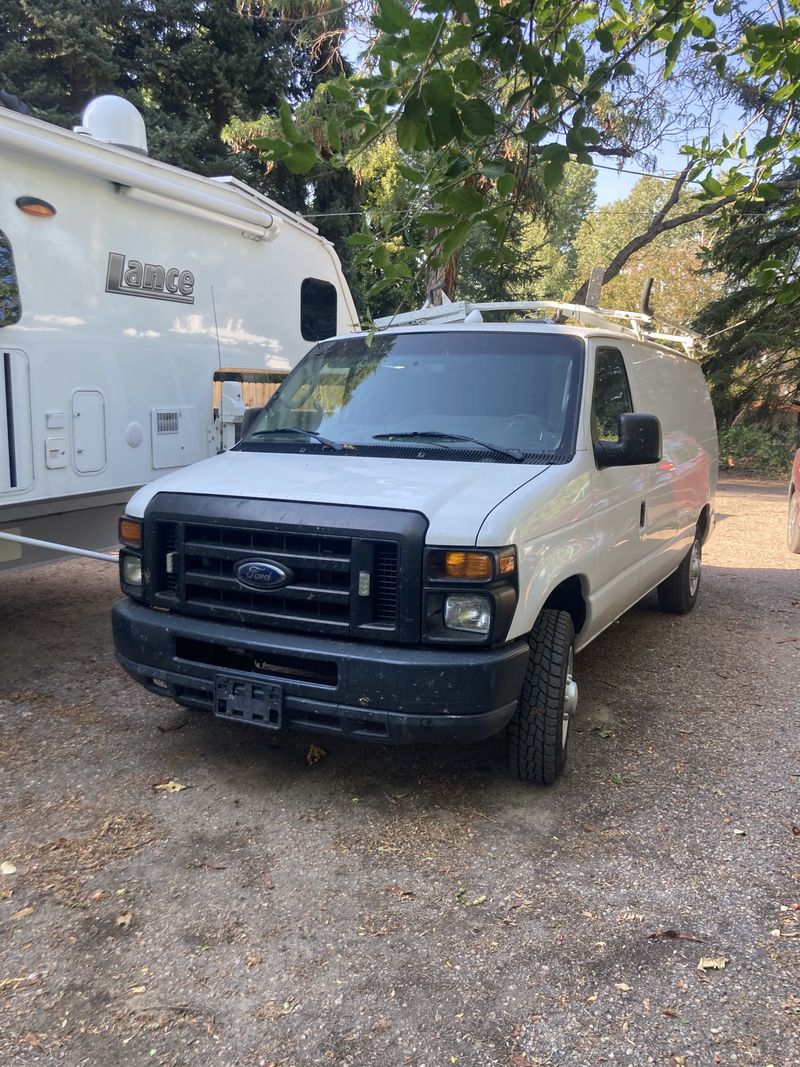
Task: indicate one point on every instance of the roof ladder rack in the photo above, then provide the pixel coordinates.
(634, 322)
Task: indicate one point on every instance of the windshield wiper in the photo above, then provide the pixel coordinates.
(324, 441)
(440, 435)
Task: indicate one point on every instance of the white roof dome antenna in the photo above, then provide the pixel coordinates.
(115, 121)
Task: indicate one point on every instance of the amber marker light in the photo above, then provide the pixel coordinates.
(130, 532)
(474, 565)
(507, 564)
(32, 205)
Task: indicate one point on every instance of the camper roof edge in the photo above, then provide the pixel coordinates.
(227, 197)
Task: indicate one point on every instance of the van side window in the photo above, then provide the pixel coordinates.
(612, 395)
(317, 310)
(10, 304)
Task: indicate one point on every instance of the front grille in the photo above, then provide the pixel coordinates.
(195, 573)
(385, 583)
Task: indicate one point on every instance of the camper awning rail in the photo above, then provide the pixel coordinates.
(20, 134)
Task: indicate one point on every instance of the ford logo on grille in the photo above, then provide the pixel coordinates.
(263, 574)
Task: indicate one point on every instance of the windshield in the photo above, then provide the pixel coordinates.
(507, 395)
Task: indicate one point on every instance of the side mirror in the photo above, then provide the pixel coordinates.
(639, 442)
(249, 417)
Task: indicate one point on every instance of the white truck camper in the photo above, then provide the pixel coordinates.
(126, 286)
(422, 528)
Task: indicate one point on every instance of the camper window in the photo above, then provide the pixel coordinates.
(317, 310)
(10, 305)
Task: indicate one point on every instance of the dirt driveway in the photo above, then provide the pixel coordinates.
(389, 907)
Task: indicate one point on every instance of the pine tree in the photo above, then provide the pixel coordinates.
(189, 66)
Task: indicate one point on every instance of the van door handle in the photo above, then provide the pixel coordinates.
(642, 511)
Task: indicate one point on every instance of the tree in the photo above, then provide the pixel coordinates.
(188, 65)
(754, 326)
(651, 233)
(489, 102)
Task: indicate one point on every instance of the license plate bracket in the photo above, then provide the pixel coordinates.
(243, 700)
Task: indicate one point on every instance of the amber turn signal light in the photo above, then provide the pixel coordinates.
(32, 205)
(130, 532)
(474, 565)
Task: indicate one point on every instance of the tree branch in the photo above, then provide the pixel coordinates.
(659, 225)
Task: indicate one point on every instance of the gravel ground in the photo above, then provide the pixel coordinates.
(413, 906)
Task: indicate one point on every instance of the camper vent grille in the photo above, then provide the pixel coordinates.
(167, 422)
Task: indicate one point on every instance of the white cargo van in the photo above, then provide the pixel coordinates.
(422, 528)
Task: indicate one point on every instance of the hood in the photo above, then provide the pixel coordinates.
(455, 497)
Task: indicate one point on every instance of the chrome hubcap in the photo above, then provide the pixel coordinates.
(695, 566)
(570, 699)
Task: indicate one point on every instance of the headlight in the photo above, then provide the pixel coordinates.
(470, 613)
(132, 571)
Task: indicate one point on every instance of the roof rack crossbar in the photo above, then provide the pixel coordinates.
(634, 322)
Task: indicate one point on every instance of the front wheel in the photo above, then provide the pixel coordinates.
(537, 735)
(678, 593)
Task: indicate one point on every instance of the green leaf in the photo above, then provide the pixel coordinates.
(333, 136)
(768, 191)
(290, 131)
(272, 147)
(407, 133)
(380, 256)
(464, 200)
(422, 34)
(359, 240)
(379, 287)
(393, 16)
(416, 177)
(552, 174)
(703, 26)
(556, 153)
(604, 38)
(477, 116)
(483, 256)
(339, 90)
(438, 89)
(506, 184)
(301, 158)
(711, 186)
(456, 238)
(467, 74)
(493, 170)
(766, 144)
(441, 126)
(437, 220)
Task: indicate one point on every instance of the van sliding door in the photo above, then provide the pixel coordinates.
(16, 449)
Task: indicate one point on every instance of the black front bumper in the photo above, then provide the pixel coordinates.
(390, 694)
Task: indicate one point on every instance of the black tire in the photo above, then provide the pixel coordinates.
(537, 735)
(678, 593)
(793, 525)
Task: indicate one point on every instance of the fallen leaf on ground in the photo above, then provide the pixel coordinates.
(169, 787)
(179, 725)
(32, 1039)
(670, 1013)
(398, 891)
(315, 754)
(712, 963)
(6, 867)
(124, 918)
(98, 894)
(23, 913)
(623, 987)
(22, 982)
(674, 935)
(474, 903)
